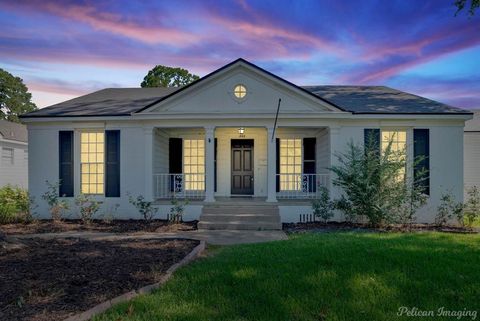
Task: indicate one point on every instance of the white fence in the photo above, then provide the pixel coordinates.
(301, 186)
(169, 186)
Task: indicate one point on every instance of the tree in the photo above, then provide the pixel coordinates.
(164, 76)
(14, 97)
(460, 4)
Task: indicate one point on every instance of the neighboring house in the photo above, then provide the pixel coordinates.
(472, 152)
(14, 154)
(215, 139)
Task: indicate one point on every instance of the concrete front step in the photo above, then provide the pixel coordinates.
(251, 218)
(239, 210)
(237, 225)
(243, 216)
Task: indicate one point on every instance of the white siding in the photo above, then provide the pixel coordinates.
(160, 151)
(15, 174)
(472, 159)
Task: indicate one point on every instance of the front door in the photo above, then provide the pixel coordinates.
(242, 166)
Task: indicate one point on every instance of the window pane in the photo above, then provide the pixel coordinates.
(193, 164)
(92, 162)
(290, 164)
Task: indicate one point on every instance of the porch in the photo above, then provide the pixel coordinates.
(239, 163)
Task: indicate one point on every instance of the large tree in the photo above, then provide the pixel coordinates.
(474, 4)
(14, 97)
(164, 76)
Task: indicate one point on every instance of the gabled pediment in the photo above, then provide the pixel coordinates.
(215, 94)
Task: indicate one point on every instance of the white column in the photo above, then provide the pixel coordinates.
(271, 166)
(148, 133)
(209, 164)
(335, 148)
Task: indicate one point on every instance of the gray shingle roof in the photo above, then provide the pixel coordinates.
(355, 99)
(380, 100)
(13, 131)
(105, 102)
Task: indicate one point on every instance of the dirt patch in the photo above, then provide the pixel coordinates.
(53, 279)
(361, 227)
(117, 226)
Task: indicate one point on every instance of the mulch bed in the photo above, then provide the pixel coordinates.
(361, 227)
(116, 226)
(48, 280)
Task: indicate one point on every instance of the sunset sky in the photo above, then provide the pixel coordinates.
(63, 49)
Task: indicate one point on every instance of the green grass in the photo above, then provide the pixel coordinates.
(335, 276)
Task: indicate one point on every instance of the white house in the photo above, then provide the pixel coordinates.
(472, 151)
(14, 152)
(216, 139)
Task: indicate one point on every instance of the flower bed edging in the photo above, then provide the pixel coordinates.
(102, 307)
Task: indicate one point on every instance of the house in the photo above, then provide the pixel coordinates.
(472, 152)
(215, 142)
(14, 152)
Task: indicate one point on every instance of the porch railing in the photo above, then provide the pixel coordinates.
(169, 186)
(301, 186)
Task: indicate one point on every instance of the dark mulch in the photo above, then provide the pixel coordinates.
(48, 280)
(116, 226)
(362, 227)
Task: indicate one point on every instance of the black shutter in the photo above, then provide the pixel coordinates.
(175, 146)
(371, 138)
(309, 151)
(112, 170)
(215, 165)
(65, 144)
(421, 152)
(277, 165)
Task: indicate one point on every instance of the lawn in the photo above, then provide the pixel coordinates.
(330, 276)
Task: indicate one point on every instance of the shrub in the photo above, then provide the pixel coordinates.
(472, 206)
(145, 208)
(449, 209)
(110, 213)
(58, 207)
(177, 210)
(323, 206)
(88, 207)
(14, 205)
(373, 185)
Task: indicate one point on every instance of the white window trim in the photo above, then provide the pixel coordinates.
(12, 159)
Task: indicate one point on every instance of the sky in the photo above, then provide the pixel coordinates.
(64, 49)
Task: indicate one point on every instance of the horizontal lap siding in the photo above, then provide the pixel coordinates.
(160, 152)
(472, 159)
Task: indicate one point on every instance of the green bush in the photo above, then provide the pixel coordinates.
(472, 206)
(375, 186)
(323, 206)
(14, 205)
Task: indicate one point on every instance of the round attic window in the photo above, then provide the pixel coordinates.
(240, 91)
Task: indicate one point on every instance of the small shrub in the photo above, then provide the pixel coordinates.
(177, 210)
(323, 206)
(449, 209)
(14, 205)
(145, 208)
(88, 207)
(58, 207)
(472, 206)
(109, 216)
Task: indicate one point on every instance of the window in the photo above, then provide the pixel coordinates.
(240, 91)
(398, 147)
(92, 162)
(194, 164)
(7, 156)
(290, 164)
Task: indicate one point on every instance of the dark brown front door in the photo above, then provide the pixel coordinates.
(242, 166)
